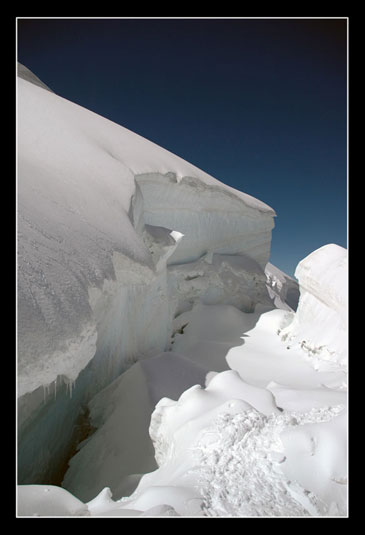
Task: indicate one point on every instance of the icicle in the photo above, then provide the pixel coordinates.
(70, 385)
(45, 393)
(55, 389)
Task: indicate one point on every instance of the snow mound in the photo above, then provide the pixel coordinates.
(319, 325)
(246, 459)
(154, 334)
(48, 500)
(227, 450)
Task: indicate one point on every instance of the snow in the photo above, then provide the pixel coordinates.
(26, 74)
(323, 468)
(283, 289)
(245, 467)
(233, 430)
(77, 177)
(154, 333)
(320, 324)
(95, 241)
(228, 450)
(212, 219)
(48, 500)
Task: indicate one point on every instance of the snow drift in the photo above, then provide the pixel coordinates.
(264, 438)
(320, 323)
(226, 450)
(102, 214)
(163, 364)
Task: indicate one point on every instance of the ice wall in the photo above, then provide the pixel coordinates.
(211, 218)
(104, 217)
(320, 322)
(283, 289)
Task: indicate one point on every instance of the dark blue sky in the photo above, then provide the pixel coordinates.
(260, 104)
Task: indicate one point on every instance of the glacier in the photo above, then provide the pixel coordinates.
(92, 272)
(150, 320)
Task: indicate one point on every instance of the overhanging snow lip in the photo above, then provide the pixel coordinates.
(209, 185)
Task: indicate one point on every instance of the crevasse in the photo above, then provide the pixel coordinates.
(214, 233)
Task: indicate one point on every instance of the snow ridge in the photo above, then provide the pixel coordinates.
(24, 73)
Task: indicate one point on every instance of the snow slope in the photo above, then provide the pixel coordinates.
(26, 74)
(102, 215)
(153, 333)
(267, 437)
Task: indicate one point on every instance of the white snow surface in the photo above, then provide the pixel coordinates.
(146, 281)
(26, 74)
(320, 323)
(267, 437)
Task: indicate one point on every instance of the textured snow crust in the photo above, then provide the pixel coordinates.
(235, 443)
(212, 218)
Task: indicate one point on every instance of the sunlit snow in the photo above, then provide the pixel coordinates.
(165, 368)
